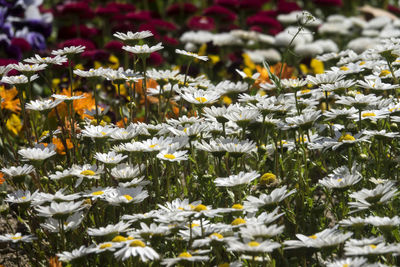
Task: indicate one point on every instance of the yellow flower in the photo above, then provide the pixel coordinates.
(317, 66)
(248, 62)
(14, 124)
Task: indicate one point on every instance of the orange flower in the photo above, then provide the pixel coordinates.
(53, 262)
(1, 178)
(120, 123)
(150, 84)
(8, 99)
(59, 145)
(80, 105)
(287, 72)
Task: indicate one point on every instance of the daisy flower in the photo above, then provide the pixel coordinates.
(57, 60)
(36, 154)
(252, 203)
(184, 257)
(130, 36)
(69, 50)
(17, 237)
(120, 227)
(122, 196)
(239, 179)
(18, 170)
(60, 210)
(253, 247)
(71, 223)
(42, 105)
(98, 131)
(190, 54)
(110, 158)
(125, 171)
(326, 238)
(142, 49)
(67, 256)
(173, 155)
(136, 248)
(19, 79)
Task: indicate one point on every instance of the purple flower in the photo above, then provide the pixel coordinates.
(36, 40)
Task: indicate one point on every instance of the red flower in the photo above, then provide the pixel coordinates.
(170, 40)
(71, 31)
(160, 24)
(251, 4)
(114, 46)
(78, 41)
(141, 16)
(287, 7)
(228, 3)
(393, 9)
(22, 44)
(155, 59)
(220, 12)
(263, 21)
(201, 23)
(177, 8)
(96, 55)
(80, 9)
(106, 11)
(121, 6)
(338, 3)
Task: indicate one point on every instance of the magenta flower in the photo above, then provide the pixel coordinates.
(177, 8)
(220, 12)
(337, 3)
(285, 7)
(114, 46)
(201, 23)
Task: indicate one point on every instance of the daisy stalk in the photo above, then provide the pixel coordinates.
(143, 57)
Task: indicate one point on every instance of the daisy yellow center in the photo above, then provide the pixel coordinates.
(106, 245)
(237, 207)
(184, 255)
(313, 236)
(200, 207)
(130, 238)
(339, 180)
(238, 221)
(346, 137)
(103, 133)
(137, 243)
(88, 172)
(201, 99)
(373, 246)
(344, 68)
(368, 114)
(169, 156)
(384, 73)
(118, 238)
(23, 197)
(16, 237)
(346, 265)
(223, 265)
(267, 178)
(97, 193)
(152, 146)
(253, 244)
(219, 236)
(362, 63)
(194, 225)
(305, 91)
(128, 197)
